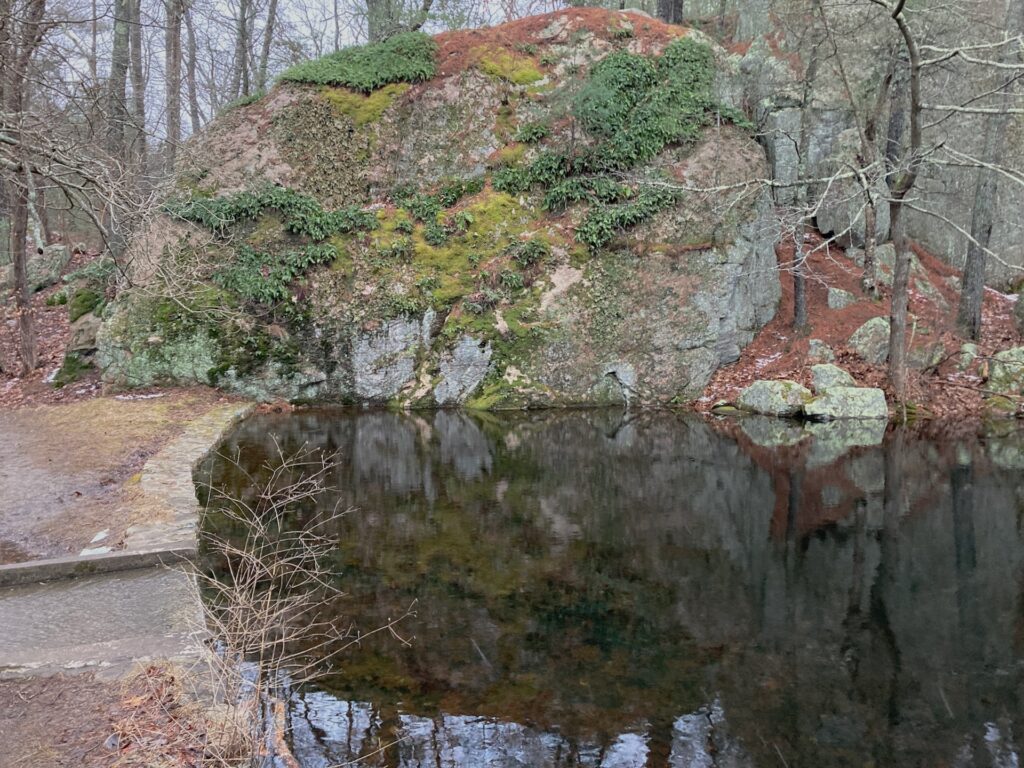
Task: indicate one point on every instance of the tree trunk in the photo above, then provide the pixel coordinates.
(117, 110)
(240, 83)
(172, 55)
(973, 289)
(138, 76)
(799, 289)
(900, 302)
(22, 295)
(190, 75)
(671, 11)
(380, 19)
(869, 282)
(268, 35)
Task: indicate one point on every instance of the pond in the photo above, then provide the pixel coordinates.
(599, 588)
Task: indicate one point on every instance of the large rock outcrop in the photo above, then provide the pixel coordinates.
(509, 217)
(770, 44)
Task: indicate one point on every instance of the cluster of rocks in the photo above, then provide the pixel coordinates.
(835, 396)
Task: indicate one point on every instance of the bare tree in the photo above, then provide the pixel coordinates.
(22, 31)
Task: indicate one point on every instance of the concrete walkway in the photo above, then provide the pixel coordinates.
(103, 623)
(108, 609)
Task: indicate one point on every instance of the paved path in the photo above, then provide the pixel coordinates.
(105, 623)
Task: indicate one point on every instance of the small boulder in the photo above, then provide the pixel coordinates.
(840, 299)
(848, 403)
(968, 354)
(83, 333)
(871, 340)
(926, 355)
(775, 398)
(44, 268)
(826, 376)
(1006, 374)
(819, 352)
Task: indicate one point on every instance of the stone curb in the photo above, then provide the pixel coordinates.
(34, 571)
(167, 481)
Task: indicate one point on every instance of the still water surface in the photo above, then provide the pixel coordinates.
(603, 589)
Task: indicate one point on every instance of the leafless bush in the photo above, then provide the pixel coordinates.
(268, 603)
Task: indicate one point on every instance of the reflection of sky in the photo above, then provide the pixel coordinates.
(327, 731)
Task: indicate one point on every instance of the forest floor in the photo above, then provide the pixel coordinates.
(84, 721)
(943, 392)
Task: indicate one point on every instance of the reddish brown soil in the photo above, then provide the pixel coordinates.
(779, 351)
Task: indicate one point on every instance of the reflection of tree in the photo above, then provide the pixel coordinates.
(590, 576)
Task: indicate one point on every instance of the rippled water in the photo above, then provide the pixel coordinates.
(597, 589)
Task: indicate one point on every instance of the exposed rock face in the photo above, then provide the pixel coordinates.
(819, 352)
(455, 278)
(775, 398)
(772, 76)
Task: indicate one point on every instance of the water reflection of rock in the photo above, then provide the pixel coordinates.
(595, 579)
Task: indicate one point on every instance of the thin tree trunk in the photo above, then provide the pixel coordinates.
(22, 295)
(172, 54)
(901, 273)
(117, 110)
(869, 283)
(138, 77)
(900, 303)
(94, 36)
(268, 35)
(240, 82)
(800, 236)
(972, 291)
(337, 26)
(190, 75)
(982, 219)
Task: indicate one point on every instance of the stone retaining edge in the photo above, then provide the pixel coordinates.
(34, 571)
(167, 477)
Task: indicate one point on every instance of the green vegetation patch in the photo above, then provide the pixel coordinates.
(303, 215)
(406, 58)
(71, 370)
(635, 107)
(364, 109)
(265, 277)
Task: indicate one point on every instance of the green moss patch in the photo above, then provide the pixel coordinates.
(83, 301)
(71, 370)
(364, 109)
(405, 58)
(502, 65)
